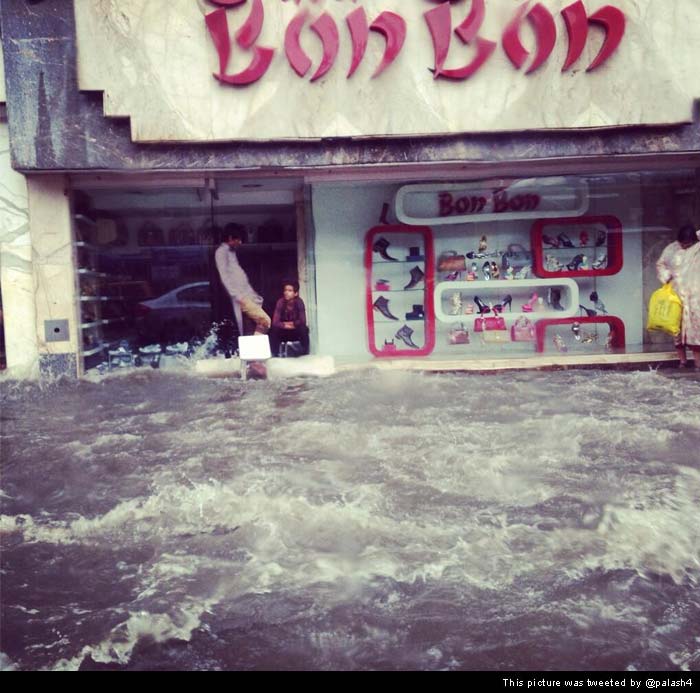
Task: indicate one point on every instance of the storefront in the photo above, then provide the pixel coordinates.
(530, 241)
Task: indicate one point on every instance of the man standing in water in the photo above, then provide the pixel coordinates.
(245, 300)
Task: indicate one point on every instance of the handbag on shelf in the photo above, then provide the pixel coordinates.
(496, 323)
(450, 261)
(458, 335)
(522, 330)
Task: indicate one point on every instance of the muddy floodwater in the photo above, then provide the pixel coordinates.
(519, 521)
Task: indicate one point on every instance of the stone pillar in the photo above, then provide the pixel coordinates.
(57, 318)
(16, 273)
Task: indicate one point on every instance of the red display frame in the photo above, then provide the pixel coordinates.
(614, 322)
(613, 246)
(429, 285)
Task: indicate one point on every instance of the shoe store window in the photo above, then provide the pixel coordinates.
(499, 268)
(148, 285)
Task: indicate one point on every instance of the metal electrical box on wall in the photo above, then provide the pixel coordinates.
(56, 330)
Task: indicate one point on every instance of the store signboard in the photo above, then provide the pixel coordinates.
(219, 70)
(460, 203)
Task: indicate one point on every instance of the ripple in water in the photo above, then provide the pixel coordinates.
(383, 520)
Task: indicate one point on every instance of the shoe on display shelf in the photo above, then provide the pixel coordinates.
(599, 305)
(601, 262)
(382, 305)
(559, 343)
(380, 246)
(574, 265)
(416, 314)
(414, 255)
(554, 299)
(565, 241)
(417, 276)
(405, 334)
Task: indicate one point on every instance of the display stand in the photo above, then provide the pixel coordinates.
(91, 286)
(387, 279)
(617, 328)
(493, 291)
(608, 253)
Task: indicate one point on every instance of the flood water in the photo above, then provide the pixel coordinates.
(518, 521)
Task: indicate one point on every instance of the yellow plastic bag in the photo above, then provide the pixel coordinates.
(665, 311)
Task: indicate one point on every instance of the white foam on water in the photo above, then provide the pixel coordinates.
(387, 481)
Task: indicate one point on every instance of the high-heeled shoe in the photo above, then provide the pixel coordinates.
(601, 262)
(565, 240)
(576, 329)
(529, 306)
(589, 311)
(576, 263)
(599, 305)
(495, 271)
(505, 301)
(452, 276)
(559, 343)
(600, 238)
(486, 269)
(483, 308)
(553, 242)
(552, 264)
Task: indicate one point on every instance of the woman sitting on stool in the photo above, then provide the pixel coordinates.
(289, 320)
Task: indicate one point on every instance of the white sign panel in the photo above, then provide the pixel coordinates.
(217, 70)
(461, 203)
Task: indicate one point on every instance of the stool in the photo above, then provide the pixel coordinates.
(291, 348)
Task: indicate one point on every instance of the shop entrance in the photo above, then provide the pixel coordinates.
(147, 278)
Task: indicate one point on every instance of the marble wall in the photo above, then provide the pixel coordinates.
(16, 269)
(53, 261)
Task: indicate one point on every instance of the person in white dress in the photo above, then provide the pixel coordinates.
(668, 269)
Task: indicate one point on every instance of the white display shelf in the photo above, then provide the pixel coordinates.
(494, 290)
